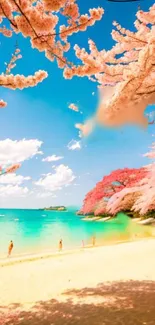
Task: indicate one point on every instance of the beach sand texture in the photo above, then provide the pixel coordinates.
(98, 286)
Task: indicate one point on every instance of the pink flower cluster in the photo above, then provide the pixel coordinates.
(6, 32)
(74, 107)
(128, 69)
(54, 5)
(16, 56)
(2, 103)
(81, 25)
(20, 81)
(71, 10)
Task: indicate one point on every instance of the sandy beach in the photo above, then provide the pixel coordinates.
(112, 277)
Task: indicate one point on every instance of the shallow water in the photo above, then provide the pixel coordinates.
(34, 231)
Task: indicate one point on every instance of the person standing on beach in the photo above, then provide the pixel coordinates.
(60, 245)
(93, 240)
(10, 248)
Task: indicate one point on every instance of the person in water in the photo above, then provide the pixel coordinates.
(60, 245)
(10, 248)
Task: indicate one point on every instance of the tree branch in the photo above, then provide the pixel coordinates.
(11, 22)
(54, 54)
(65, 31)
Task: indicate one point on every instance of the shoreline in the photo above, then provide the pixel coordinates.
(32, 257)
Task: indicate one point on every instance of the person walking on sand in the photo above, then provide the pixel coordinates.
(10, 248)
(60, 245)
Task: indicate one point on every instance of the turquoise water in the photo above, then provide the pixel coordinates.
(36, 231)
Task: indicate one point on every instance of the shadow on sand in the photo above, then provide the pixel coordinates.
(119, 303)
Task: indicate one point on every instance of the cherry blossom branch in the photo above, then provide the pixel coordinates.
(20, 81)
(11, 22)
(23, 14)
(146, 93)
(64, 32)
(38, 21)
(16, 56)
(34, 31)
(129, 78)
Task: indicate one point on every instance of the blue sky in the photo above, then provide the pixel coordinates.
(42, 113)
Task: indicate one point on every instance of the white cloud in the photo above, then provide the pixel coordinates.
(63, 176)
(74, 145)
(42, 195)
(13, 151)
(13, 191)
(52, 158)
(13, 179)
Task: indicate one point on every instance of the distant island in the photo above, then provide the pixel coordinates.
(55, 208)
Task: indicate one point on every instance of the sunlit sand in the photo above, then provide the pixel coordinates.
(29, 282)
(76, 286)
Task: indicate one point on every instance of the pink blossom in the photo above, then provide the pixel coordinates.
(74, 107)
(6, 32)
(54, 5)
(2, 104)
(71, 10)
(16, 56)
(20, 81)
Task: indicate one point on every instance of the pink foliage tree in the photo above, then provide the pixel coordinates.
(120, 179)
(127, 70)
(124, 200)
(141, 196)
(39, 21)
(146, 202)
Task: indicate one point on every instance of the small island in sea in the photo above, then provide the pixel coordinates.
(55, 208)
